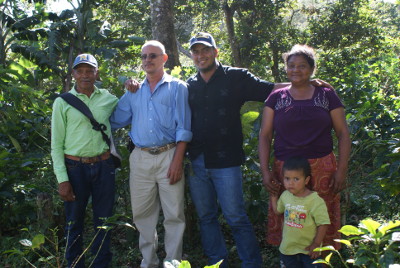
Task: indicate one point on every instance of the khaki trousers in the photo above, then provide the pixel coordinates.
(150, 191)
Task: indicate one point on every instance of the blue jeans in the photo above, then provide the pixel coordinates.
(299, 261)
(209, 187)
(98, 181)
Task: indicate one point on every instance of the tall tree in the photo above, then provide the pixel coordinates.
(229, 11)
(163, 29)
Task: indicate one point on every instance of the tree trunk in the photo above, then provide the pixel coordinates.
(229, 12)
(163, 30)
(276, 57)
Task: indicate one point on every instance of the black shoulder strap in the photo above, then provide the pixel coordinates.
(83, 108)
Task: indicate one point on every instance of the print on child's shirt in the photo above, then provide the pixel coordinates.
(295, 215)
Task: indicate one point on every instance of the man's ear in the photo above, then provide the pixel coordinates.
(165, 57)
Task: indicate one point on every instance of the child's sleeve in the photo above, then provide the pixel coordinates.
(280, 205)
(320, 212)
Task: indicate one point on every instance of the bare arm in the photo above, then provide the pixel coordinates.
(344, 144)
(264, 150)
(314, 82)
(281, 85)
(319, 236)
(175, 170)
(274, 204)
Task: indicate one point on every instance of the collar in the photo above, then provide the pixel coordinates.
(166, 78)
(220, 70)
(74, 92)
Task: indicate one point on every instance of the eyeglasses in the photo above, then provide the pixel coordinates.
(151, 56)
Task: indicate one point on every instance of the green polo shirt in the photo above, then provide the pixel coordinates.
(72, 132)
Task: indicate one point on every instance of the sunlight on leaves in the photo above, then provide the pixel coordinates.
(350, 230)
(370, 225)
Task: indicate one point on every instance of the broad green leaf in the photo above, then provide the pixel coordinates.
(328, 258)
(344, 241)
(13, 252)
(320, 261)
(37, 241)
(370, 225)
(350, 230)
(388, 226)
(325, 248)
(184, 264)
(15, 143)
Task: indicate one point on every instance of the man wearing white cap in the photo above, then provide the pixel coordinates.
(82, 162)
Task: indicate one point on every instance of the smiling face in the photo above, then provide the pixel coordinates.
(298, 69)
(295, 182)
(204, 57)
(155, 59)
(85, 75)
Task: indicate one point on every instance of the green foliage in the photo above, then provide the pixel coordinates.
(46, 250)
(186, 264)
(344, 23)
(358, 47)
(371, 244)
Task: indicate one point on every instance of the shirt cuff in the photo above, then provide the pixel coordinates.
(183, 135)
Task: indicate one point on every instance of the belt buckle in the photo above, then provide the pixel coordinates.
(154, 150)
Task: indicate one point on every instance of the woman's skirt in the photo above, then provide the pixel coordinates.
(322, 170)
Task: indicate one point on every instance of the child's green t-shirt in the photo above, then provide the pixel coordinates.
(302, 215)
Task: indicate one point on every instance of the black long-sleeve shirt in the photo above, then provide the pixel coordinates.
(215, 105)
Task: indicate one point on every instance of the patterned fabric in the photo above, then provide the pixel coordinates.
(303, 127)
(322, 170)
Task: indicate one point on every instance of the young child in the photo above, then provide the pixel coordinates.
(305, 216)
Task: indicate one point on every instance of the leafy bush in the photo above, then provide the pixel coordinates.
(371, 245)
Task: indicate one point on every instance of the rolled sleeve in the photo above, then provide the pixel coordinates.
(183, 114)
(122, 115)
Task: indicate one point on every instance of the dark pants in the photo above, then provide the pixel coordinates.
(98, 181)
(299, 261)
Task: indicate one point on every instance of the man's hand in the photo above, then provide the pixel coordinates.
(320, 83)
(132, 85)
(65, 191)
(175, 172)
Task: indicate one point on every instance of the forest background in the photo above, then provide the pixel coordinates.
(358, 45)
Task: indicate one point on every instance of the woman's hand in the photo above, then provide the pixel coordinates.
(339, 181)
(270, 184)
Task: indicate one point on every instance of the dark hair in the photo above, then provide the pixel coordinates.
(298, 163)
(302, 50)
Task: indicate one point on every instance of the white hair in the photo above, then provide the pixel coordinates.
(155, 43)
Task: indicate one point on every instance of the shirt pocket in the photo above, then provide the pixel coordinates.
(165, 116)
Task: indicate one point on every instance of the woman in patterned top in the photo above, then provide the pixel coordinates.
(301, 117)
